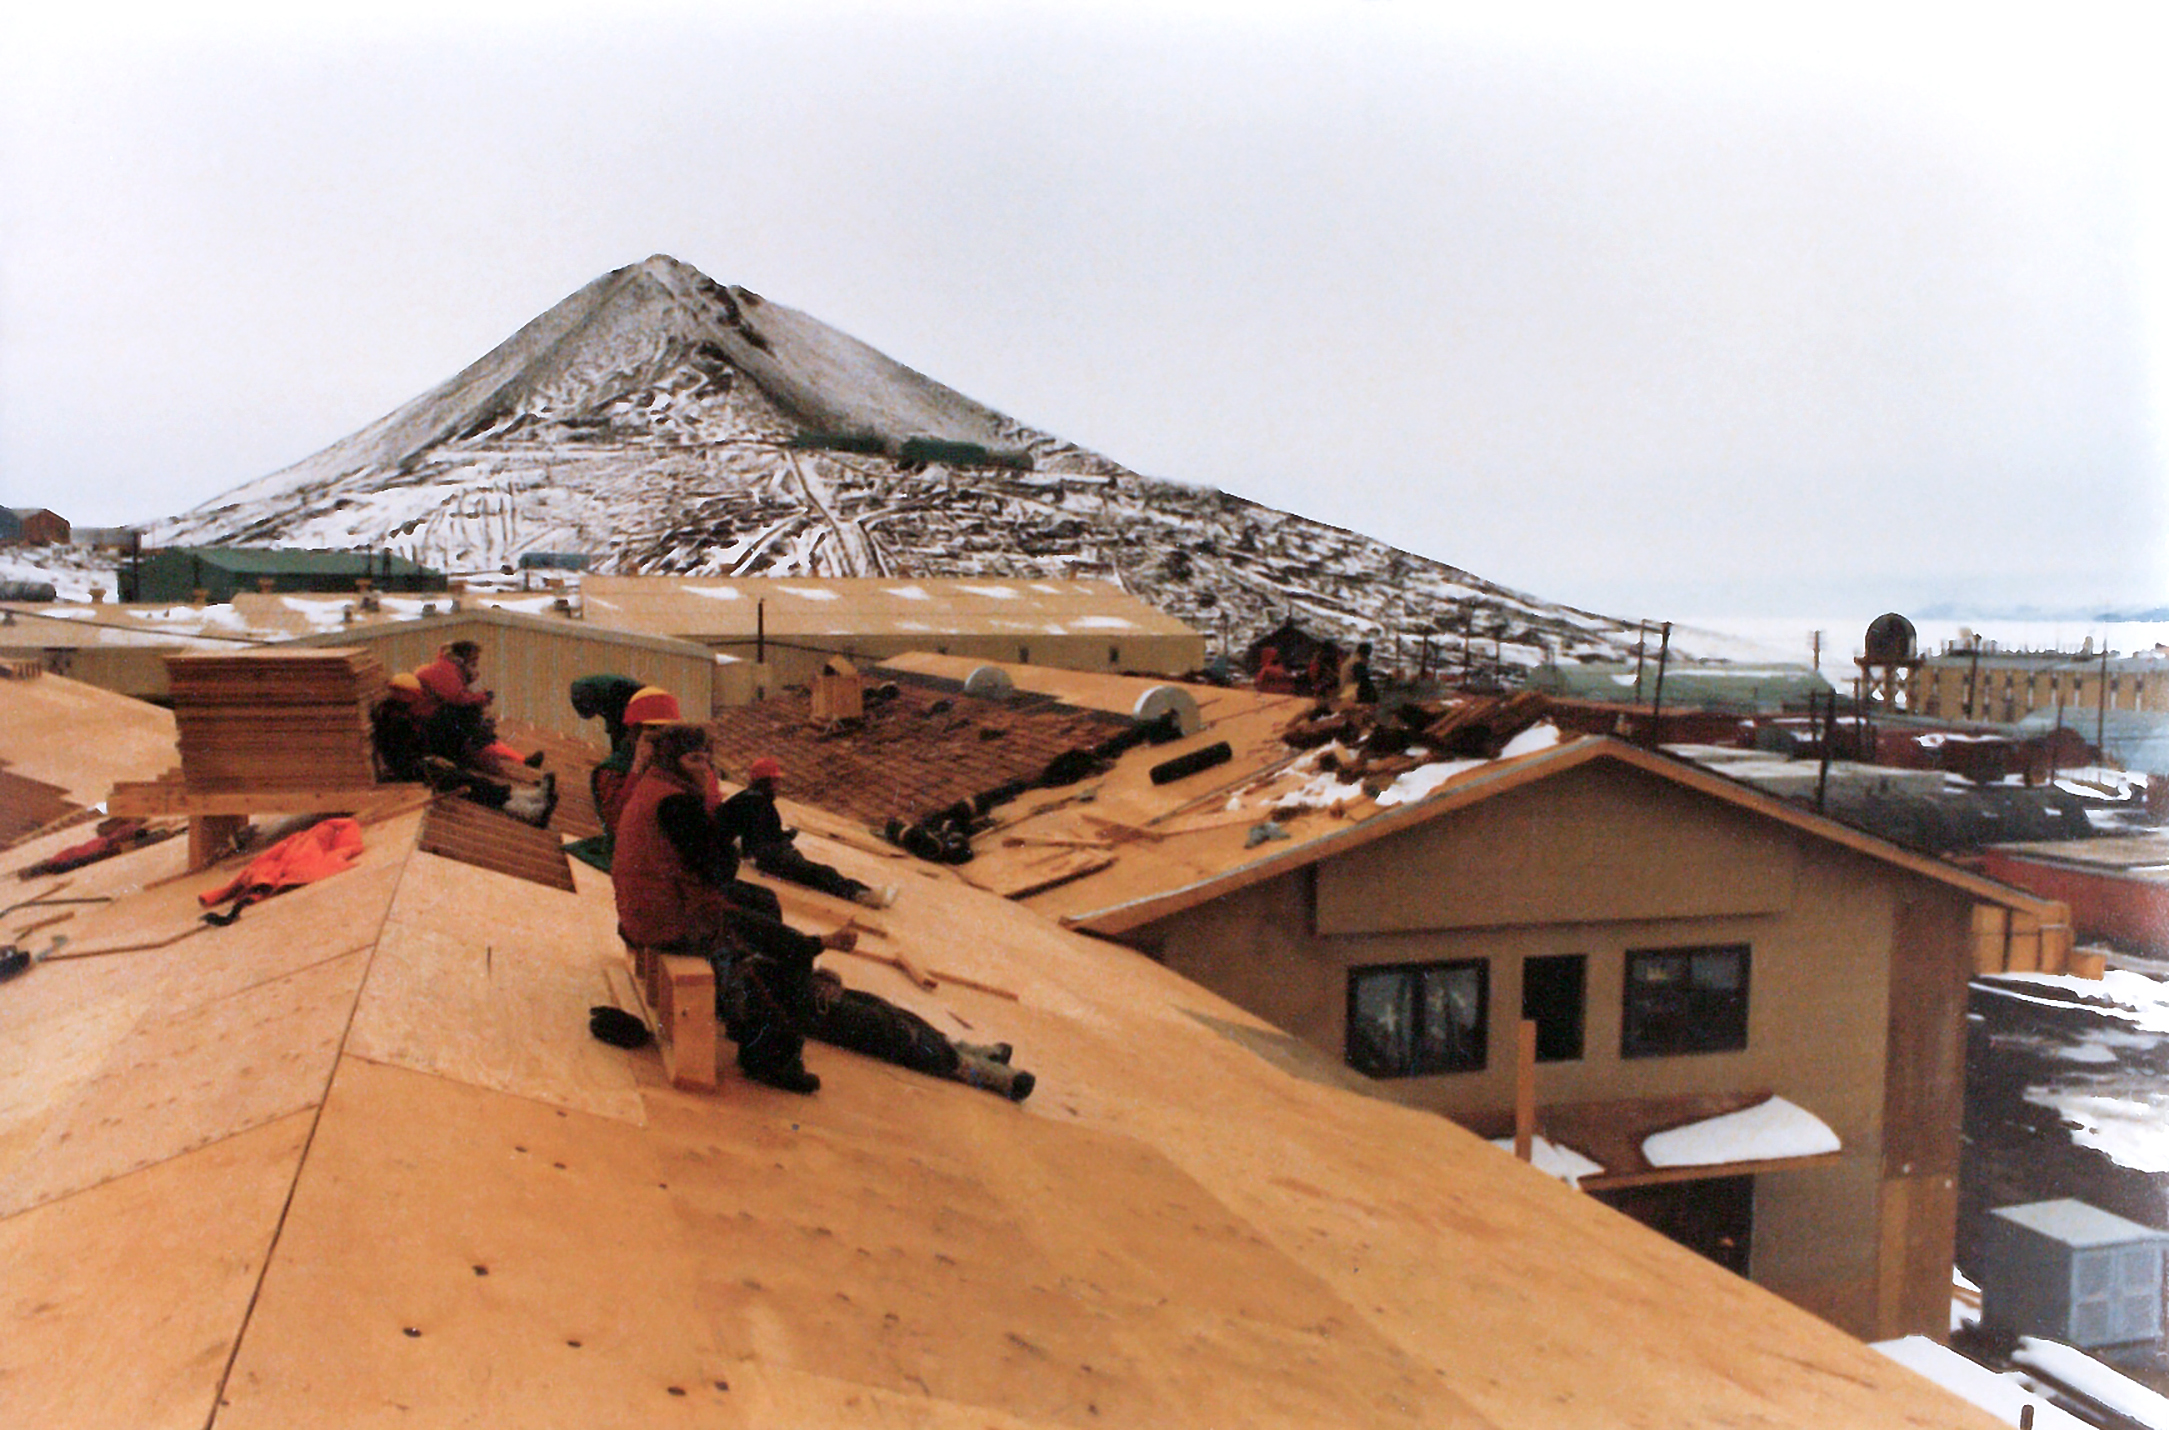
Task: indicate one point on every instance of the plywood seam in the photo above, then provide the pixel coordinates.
(308, 1143)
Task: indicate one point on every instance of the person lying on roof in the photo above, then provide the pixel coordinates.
(673, 872)
(866, 1023)
(752, 818)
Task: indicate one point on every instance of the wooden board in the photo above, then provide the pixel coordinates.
(460, 829)
(1020, 878)
(124, 1302)
(545, 1285)
(179, 1083)
(488, 981)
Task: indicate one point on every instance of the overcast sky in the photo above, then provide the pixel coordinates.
(1640, 307)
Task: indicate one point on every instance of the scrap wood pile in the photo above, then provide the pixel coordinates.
(1383, 744)
(923, 763)
(292, 718)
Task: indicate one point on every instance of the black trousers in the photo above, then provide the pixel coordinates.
(785, 862)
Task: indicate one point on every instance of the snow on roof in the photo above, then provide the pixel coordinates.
(2101, 1383)
(2002, 1396)
(1553, 1160)
(1766, 1132)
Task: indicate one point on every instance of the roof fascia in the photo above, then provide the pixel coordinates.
(1514, 774)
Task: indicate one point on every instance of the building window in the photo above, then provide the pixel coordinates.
(1685, 1000)
(1552, 997)
(1414, 1019)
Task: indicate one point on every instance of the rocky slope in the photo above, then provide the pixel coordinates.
(660, 421)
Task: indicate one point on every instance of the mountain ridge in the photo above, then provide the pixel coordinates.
(663, 422)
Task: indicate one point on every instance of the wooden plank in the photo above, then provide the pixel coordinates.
(148, 800)
(506, 1301)
(179, 1083)
(1025, 879)
(488, 982)
(685, 1019)
(126, 1300)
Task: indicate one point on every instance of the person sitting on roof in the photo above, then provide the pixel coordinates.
(606, 696)
(1273, 678)
(866, 1023)
(457, 716)
(672, 871)
(612, 780)
(399, 733)
(1356, 684)
(752, 818)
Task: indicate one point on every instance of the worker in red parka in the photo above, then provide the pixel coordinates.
(612, 780)
(672, 871)
(457, 714)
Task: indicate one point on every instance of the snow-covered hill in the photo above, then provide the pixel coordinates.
(658, 420)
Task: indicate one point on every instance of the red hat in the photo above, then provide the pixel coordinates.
(651, 703)
(765, 769)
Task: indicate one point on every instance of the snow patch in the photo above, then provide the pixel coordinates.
(1763, 1133)
(907, 593)
(1554, 1160)
(713, 593)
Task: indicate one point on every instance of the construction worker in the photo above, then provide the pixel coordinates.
(606, 696)
(672, 871)
(1356, 684)
(611, 780)
(751, 817)
(399, 732)
(460, 727)
(864, 1023)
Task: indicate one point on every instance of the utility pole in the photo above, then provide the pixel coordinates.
(1656, 705)
(1973, 674)
(2101, 713)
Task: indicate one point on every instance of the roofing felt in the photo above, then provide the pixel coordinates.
(355, 1160)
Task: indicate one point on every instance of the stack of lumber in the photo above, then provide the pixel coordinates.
(291, 718)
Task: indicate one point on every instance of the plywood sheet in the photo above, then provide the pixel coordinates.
(460, 829)
(122, 1304)
(175, 1084)
(488, 980)
(456, 1256)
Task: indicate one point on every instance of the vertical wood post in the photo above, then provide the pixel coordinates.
(1525, 1090)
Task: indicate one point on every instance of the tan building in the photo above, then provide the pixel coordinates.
(1684, 947)
(794, 625)
(2006, 686)
(356, 1161)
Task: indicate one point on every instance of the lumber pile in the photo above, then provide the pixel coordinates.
(290, 718)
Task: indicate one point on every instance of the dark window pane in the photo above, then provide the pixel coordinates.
(1453, 1018)
(1685, 1000)
(1552, 997)
(1381, 1022)
(1408, 1020)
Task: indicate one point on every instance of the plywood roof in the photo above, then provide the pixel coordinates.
(701, 608)
(82, 738)
(355, 1161)
(1183, 844)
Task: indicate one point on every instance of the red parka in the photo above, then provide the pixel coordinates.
(661, 899)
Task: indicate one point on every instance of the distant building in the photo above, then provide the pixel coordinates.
(1746, 689)
(33, 526)
(792, 626)
(176, 573)
(2007, 686)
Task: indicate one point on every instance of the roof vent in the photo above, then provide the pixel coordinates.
(2073, 1273)
(1155, 703)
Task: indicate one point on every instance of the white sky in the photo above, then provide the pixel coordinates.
(1648, 308)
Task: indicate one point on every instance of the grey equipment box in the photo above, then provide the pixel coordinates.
(2069, 1272)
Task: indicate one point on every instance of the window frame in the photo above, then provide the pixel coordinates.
(1412, 974)
(1637, 1040)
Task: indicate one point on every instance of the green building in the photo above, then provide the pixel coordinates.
(176, 573)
